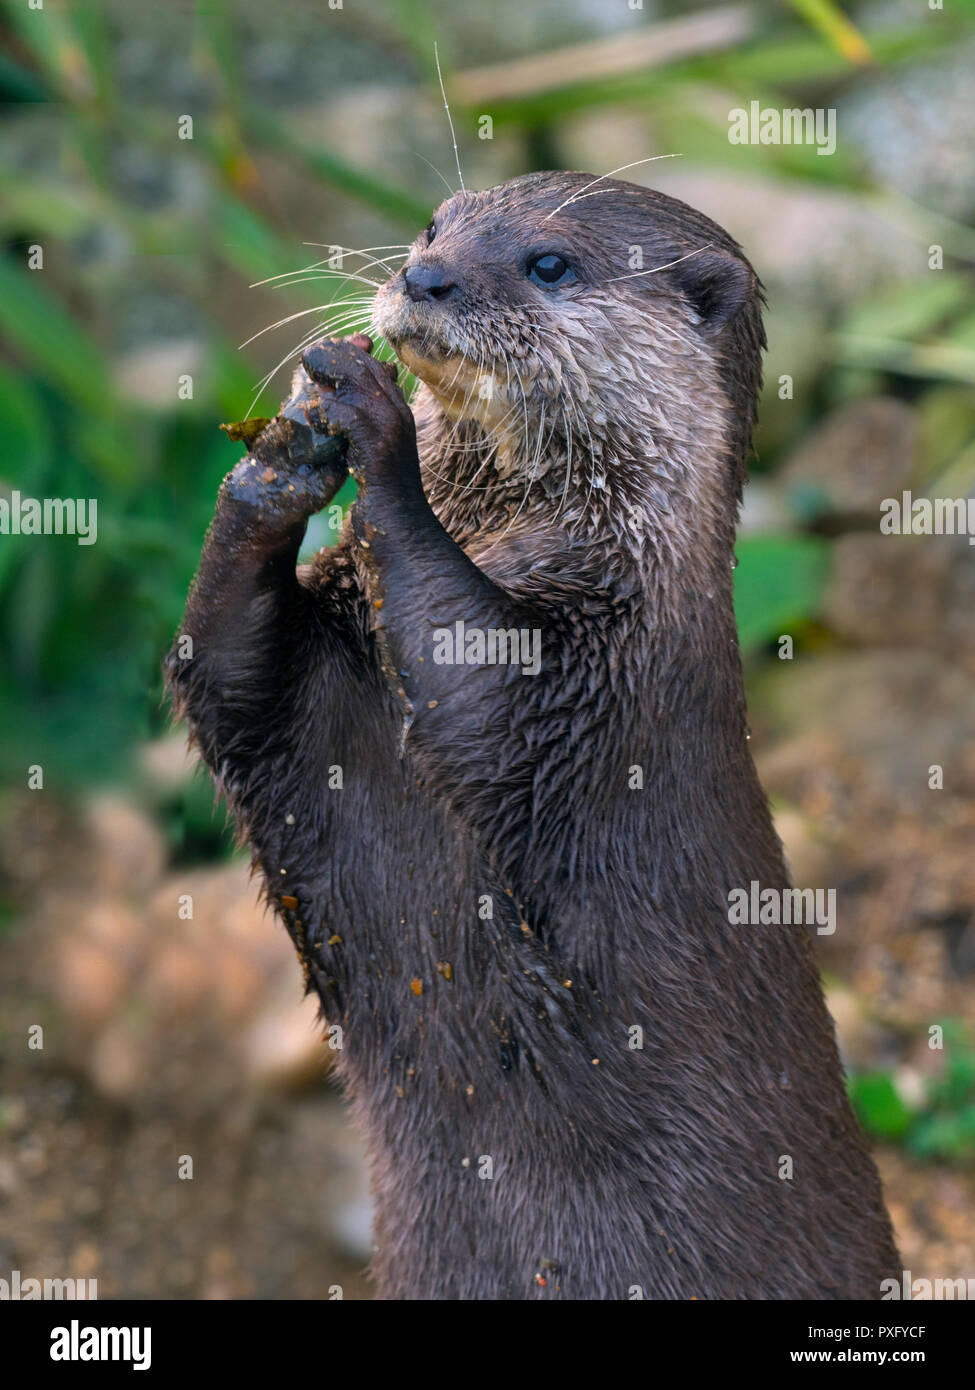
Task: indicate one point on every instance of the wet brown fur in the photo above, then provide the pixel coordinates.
(583, 480)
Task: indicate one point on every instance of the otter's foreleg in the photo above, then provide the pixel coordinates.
(476, 727)
(234, 664)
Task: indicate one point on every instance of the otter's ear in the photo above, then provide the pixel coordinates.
(716, 283)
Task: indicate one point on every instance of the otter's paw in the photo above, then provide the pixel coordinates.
(273, 492)
(363, 402)
(295, 465)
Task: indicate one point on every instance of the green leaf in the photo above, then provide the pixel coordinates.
(963, 331)
(956, 1088)
(939, 361)
(50, 338)
(830, 21)
(947, 420)
(25, 430)
(945, 1136)
(19, 84)
(419, 30)
(908, 310)
(879, 1107)
(248, 243)
(51, 36)
(779, 580)
(776, 62)
(27, 445)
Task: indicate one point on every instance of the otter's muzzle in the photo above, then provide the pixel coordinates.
(429, 284)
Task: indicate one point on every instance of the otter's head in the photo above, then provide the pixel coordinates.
(580, 306)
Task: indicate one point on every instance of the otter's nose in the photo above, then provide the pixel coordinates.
(429, 282)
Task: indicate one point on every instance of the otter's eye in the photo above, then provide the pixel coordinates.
(431, 231)
(550, 270)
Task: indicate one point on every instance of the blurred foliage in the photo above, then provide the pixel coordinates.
(879, 1105)
(941, 1125)
(778, 583)
(84, 627)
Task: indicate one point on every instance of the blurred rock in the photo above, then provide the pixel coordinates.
(888, 714)
(282, 1047)
(149, 375)
(916, 591)
(117, 1062)
(862, 453)
(861, 1041)
(806, 858)
(168, 763)
(764, 508)
(914, 128)
(129, 848)
(179, 978)
(804, 239)
(34, 830)
(352, 1227)
(410, 145)
(854, 735)
(148, 952)
(88, 981)
(609, 137)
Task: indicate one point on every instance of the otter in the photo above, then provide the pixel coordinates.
(508, 878)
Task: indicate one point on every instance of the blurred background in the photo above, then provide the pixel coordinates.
(315, 127)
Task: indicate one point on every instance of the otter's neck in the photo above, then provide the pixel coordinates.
(645, 508)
